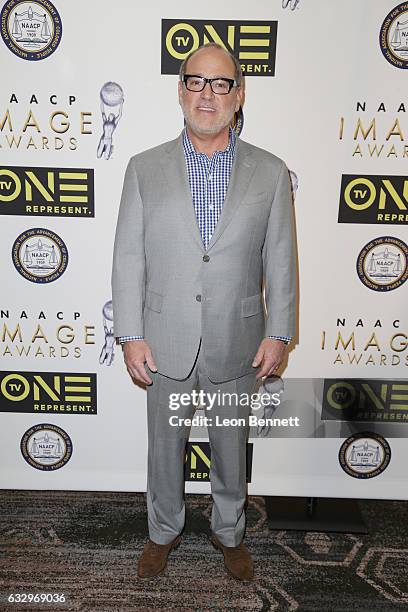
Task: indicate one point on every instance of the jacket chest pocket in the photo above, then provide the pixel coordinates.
(257, 198)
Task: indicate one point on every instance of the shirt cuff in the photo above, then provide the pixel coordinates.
(285, 339)
(123, 339)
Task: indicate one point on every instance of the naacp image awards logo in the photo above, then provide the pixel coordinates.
(382, 263)
(46, 447)
(394, 36)
(40, 255)
(31, 30)
(364, 455)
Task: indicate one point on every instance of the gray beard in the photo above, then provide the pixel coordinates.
(215, 129)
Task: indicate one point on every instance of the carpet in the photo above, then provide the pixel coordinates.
(86, 544)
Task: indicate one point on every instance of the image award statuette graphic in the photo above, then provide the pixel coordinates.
(294, 183)
(108, 350)
(293, 4)
(272, 386)
(112, 97)
(238, 121)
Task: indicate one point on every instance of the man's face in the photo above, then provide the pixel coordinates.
(204, 111)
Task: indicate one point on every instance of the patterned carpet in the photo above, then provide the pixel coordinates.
(86, 545)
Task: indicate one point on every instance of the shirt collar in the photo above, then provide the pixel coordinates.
(190, 150)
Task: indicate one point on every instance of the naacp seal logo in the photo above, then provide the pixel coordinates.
(382, 263)
(46, 447)
(364, 455)
(394, 36)
(40, 255)
(31, 30)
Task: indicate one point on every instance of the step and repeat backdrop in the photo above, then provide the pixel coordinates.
(86, 87)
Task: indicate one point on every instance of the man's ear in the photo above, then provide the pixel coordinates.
(180, 90)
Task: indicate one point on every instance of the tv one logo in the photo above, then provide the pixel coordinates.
(198, 461)
(60, 192)
(50, 392)
(351, 399)
(252, 42)
(373, 199)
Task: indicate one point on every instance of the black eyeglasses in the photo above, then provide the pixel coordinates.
(218, 85)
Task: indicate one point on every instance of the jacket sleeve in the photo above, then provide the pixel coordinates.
(279, 259)
(129, 263)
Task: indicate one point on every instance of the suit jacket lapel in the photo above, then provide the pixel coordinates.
(242, 169)
(174, 167)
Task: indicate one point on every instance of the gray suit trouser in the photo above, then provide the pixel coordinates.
(166, 454)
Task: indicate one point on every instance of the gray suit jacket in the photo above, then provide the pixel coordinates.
(169, 289)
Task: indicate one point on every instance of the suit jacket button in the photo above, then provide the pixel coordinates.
(206, 258)
(198, 298)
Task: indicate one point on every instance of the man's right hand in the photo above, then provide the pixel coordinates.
(136, 353)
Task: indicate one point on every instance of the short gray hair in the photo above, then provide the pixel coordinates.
(238, 70)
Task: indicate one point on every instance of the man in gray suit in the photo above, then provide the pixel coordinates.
(205, 221)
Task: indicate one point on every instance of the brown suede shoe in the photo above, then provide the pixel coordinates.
(153, 559)
(237, 559)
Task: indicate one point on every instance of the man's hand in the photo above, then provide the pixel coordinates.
(270, 356)
(136, 353)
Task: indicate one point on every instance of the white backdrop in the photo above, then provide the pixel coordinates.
(328, 59)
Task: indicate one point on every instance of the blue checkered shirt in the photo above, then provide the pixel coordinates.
(208, 178)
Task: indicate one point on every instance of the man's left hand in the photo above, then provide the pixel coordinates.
(269, 356)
